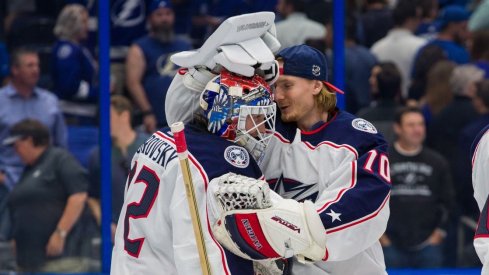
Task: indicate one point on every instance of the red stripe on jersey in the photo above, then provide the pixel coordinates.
(334, 145)
(326, 256)
(327, 143)
(366, 218)
(205, 179)
(481, 236)
(342, 191)
(320, 128)
(249, 227)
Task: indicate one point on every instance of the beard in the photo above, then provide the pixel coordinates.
(164, 34)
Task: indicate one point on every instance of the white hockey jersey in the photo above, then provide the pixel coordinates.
(154, 234)
(480, 175)
(343, 167)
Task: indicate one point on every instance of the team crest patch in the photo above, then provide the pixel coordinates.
(237, 156)
(363, 125)
(316, 70)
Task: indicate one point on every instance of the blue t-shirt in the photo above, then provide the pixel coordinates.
(159, 71)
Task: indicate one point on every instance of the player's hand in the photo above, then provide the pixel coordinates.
(263, 225)
(150, 122)
(2, 177)
(55, 245)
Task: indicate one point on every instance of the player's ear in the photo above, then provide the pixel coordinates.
(317, 86)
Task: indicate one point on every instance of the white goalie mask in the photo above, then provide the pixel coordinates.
(240, 109)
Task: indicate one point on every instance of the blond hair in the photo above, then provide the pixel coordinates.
(69, 22)
(325, 100)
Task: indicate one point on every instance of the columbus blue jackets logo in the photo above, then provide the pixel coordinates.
(292, 189)
(237, 156)
(363, 125)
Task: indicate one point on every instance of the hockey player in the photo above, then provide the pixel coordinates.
(330, 157)
(480, 158)
(154, 232)
(319, 153)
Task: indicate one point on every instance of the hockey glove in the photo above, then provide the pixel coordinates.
(255, 223)
(242, 44)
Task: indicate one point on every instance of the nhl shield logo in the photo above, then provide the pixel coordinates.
(316, 70)
(237, 156)
(363, 125)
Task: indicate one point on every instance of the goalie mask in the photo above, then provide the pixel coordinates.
(240, 109)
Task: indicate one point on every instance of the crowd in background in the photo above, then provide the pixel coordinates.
(429, 56)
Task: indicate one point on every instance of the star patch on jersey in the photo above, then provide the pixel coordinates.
(363, 125)
(334, 216)
(237, 156)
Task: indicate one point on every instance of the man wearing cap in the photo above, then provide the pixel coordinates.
(332, 158)
(452, 23)
(47, 202)
(148, 67)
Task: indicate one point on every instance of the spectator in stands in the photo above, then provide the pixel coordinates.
(148, 66)
(438, 94)
(453, 34)
(74, 70)
(125, 142)
(479, 50)
(74, 73)
(401, 45)
(296, 28)
(385, 84)
(21, 99)
(429, 11)
(375, 21)
(359, 63)
(426, 59)
(46, 203)
(127, 23)
(421, 198)
(458, 113)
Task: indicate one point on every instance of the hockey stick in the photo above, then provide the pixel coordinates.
(181, 144)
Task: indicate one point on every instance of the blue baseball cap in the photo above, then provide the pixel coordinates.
(156, 4)
(306, 62)
(452, 13)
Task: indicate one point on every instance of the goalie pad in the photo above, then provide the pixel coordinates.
(239, 45)
(257, 224)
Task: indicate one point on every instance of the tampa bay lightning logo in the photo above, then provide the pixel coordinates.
(292, 189)
(237, 156)
(128, 13)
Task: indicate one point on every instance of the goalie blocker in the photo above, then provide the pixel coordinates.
(255, 223)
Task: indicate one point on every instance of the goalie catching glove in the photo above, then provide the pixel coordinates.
(255, 223)
(243, 44)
